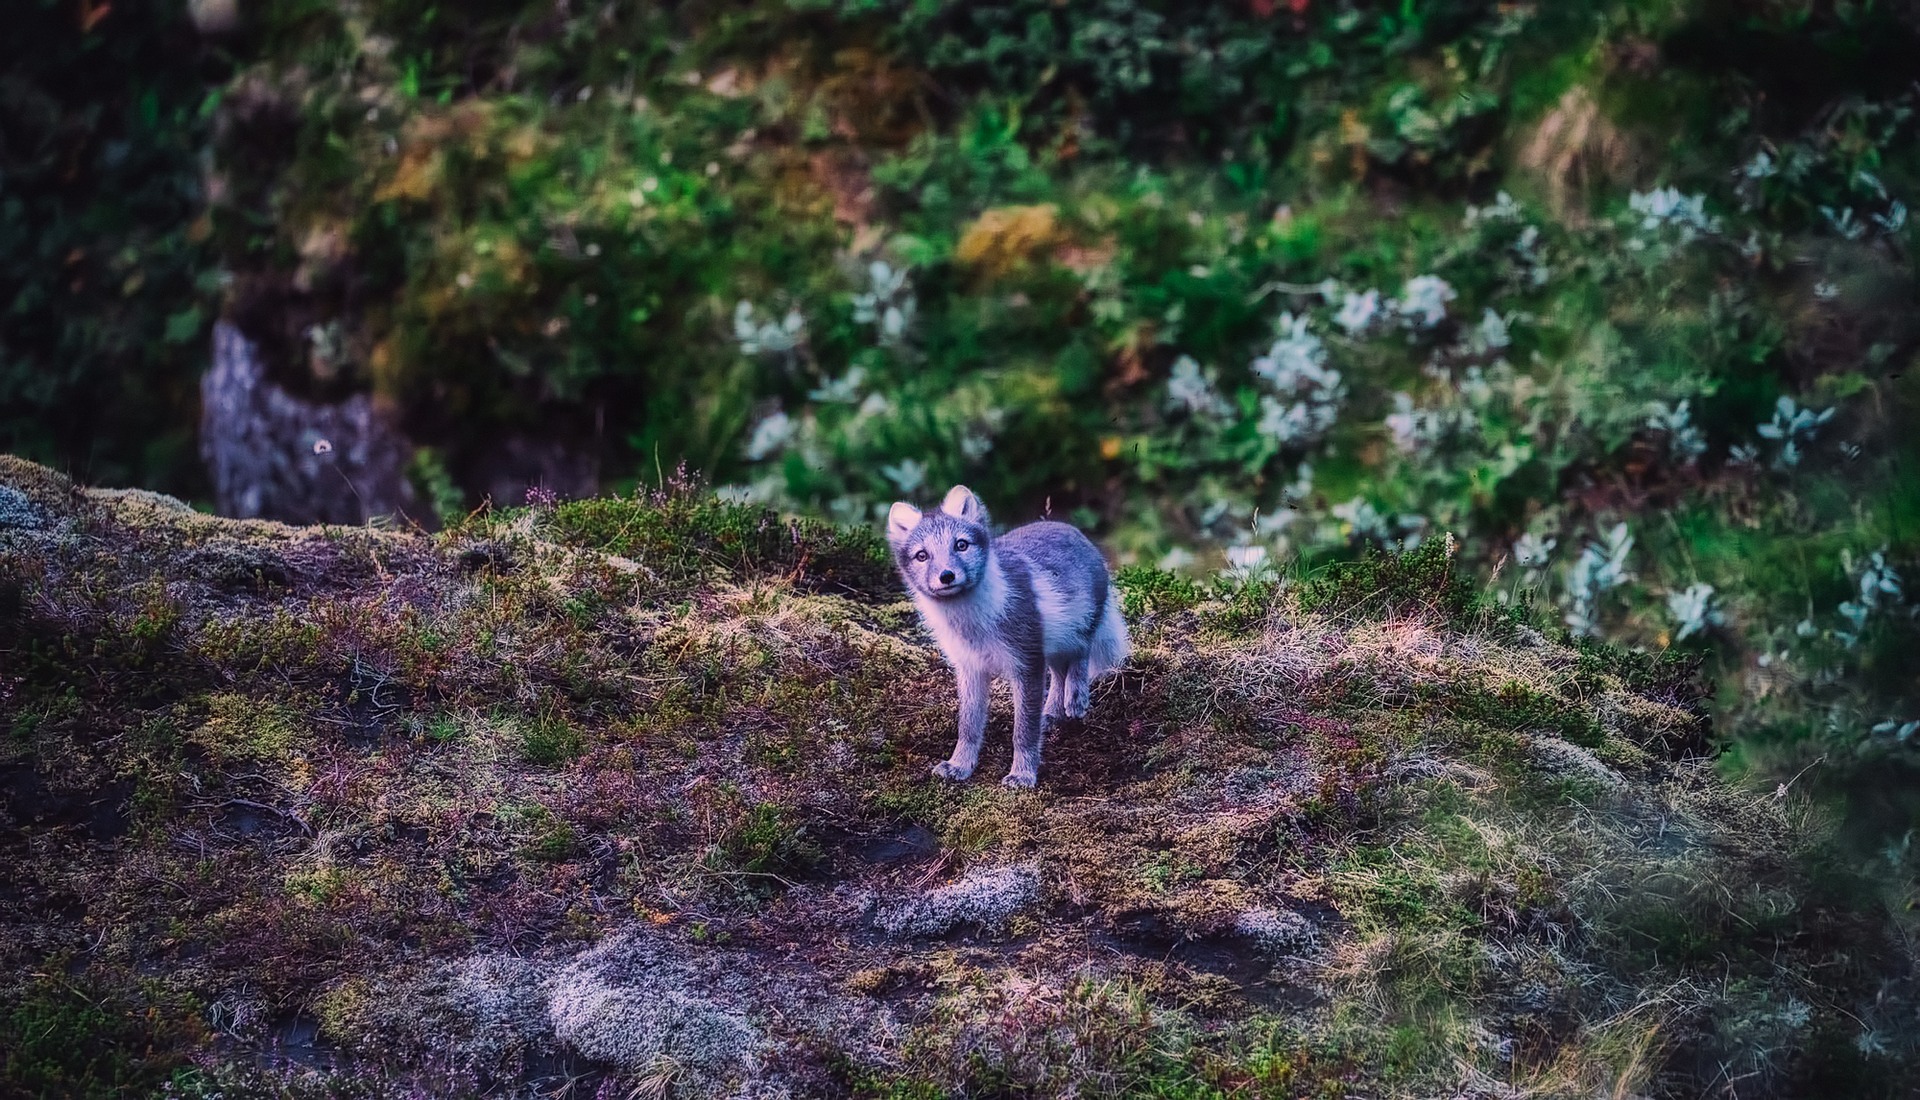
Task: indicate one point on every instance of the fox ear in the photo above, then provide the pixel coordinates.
(962, 504)
(902, 518)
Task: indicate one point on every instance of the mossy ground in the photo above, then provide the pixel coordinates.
(633, 794)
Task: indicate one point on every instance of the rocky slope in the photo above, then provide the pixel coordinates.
(630, 798)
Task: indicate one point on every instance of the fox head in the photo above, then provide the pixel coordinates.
(942, 553)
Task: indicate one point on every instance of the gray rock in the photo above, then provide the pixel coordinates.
(273, 454)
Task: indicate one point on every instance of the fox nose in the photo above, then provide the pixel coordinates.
(946, 576)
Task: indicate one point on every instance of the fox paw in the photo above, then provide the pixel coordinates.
(947, 769)
(1019, 781)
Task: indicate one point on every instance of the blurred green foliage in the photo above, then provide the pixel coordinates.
(106, 286)
(1618, 293)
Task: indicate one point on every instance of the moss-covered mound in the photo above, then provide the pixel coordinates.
(633, 795)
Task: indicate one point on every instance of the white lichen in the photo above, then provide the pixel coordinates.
(986, 899)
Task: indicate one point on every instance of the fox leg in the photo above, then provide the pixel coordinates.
(974, 685)
(1028, 729)
(1057, 682)
(1077, 692)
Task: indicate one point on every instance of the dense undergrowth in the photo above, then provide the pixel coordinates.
(1618, 293)
(629, 797)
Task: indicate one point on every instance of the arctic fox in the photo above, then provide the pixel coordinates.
(1032, 607)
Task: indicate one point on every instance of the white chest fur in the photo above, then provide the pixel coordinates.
(967, 629)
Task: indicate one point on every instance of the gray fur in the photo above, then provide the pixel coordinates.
(1033, 607)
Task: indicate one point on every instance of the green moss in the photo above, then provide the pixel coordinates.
(680, 536)
(1514, 707)
(240, 727)
(542, 834)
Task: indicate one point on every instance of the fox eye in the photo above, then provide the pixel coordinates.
(920, 556)
(960, 546)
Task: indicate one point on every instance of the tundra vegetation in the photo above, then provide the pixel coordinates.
(1618, 293)
(1599, 313)
(629, 797)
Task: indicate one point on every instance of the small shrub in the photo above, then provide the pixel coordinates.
(1145, 590)
(768, 841)
(549, 740)
(1419, 581)
(72, 1040)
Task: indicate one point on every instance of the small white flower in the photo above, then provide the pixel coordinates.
(844, 390)
(1666, 207)
(1501, 209)
(770, 435)
(1362, 518)
(1307, 393)
(1246, 557)
(1492, 333)
(1176, 559)
(1693, 609)
(1192, 389)
(1423, 301)
(1843, 222)
(975, 444)
(1358, 311)
(1600, 568)
(1532, 551)
(906, 475)
(888, 302)
(1302, 485)
(1895, 219)
(1761, 167)
(1286, 423)
(1405, 423)
(1792, 422)
(1683, 437)
(1295, 355)
(756, 337)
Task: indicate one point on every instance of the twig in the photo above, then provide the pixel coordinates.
(252, 805)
